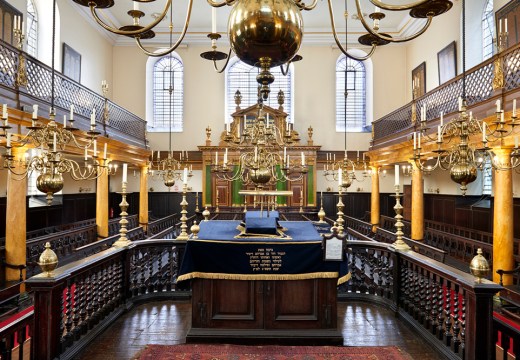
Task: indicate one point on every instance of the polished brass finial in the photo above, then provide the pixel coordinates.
(48, 260)
(479, 266)
(195, 228)
(205, 213)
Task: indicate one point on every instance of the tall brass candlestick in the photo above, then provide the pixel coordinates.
(197, 202)
(399, 243)
(340, 206)
(123, 240)
(321, 213)
(184, 204)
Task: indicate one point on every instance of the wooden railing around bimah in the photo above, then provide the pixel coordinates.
(120, 124)
(451, 310)
(396, 126)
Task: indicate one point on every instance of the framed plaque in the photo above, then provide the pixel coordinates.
(447, 63)
(334, 246)
(71, 63)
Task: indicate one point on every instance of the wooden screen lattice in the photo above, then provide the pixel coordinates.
(512, 69)
(121, 122)
(394, 122)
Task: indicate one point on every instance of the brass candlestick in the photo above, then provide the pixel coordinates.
(340, 206)
(245, 204)
(301, 201)
(123, 240)
(321, 213)
(216, 207)
(197, 202)
(184, 204)
(206, 214)
(399, 243)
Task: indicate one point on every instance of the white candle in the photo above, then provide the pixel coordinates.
(95, 148)
(93, 118)
(64, 120)
(288, 161)
(357, 155)
(439, 133)
(4, 111)
(225, 157)
(498, 105)
(419, 140)
(364, 156)
(125, 169)
(442, 118)
(256, 153)
(484, 132)
(516, 141)
(514, 107)
(460, 104)
(227, 127)
(397, 175)
(303, 159)
(158, 155)
(414, 140)
(340, 176)
(216, 157)
(54, 142)
(501, 117)
(136, 5)
(35, 112)
(505, 26)
(376, 9)
(284, 154)
(86, 155)
(105, 151)
(71, 112)
(8, 140)
(185, 178)
(213, 20)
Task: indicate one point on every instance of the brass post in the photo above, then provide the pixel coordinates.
(399, 243)
(123, 240)
(184, 204)
(340, 206)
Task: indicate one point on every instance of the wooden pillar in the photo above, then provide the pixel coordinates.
(143, 198)
(16, 219)
(375, 212)
(417, 204)
(503, 219)
(102, 206)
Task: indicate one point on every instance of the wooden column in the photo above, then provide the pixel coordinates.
(143, 198)
(102, 206)
(375, 212)
(16, 218)
(417, 203)
(503, 219)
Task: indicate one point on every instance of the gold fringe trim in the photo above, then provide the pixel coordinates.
(345, 278)
(222, 276)
(304, 242)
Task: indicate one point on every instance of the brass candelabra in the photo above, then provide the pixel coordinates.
(399, 243)
(184, 205)
(123, 240)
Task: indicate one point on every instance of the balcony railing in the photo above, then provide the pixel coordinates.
(120, 124)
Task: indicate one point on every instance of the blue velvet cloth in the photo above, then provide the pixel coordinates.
(218, 255)
(262, 222)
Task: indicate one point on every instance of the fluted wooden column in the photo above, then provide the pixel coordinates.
(16, 219)
(102, 206)
(143, 198)
(503, 219)
(375, 212)
(417, 204)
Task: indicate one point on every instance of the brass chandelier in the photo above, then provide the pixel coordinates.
(463, 159)
(52, 139)
(263, 159)
(267, 33)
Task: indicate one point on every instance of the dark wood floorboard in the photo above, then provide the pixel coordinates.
(167, 322)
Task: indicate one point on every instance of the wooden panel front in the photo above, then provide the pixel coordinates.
(234, 304)
(292, 304)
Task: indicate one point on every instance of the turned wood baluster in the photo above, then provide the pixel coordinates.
(447, 312)
(427, 302)
(362, 275)
(433, 309)
(152, 253)
(160, 272)
(142, 277)
(111, 293)
(170, 272)
(416, 293)
(456, 325)
(95, 300)
(87, 316)
(463, 328)
(440, 309)
(423, 289)
(78, 307)
(134, 288)
(67, 317)
(404, 283)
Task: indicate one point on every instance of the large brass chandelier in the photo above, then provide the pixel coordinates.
(267, 33)
(51, 139)
(263, 157)
(463, 158)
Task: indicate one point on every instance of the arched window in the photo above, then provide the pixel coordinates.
(351, 86)
(168, 73)
(32, 29)
(240, 76)
(488, 30)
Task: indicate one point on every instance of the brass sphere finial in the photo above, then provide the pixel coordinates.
(479, 266)
(205, 213)
(48, 260)
(195, 228)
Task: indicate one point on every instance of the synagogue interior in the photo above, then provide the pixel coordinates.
(340, 173)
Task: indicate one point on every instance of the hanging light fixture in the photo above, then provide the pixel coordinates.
(463, 159)
(169, 169)
(52, 139)
(267, 33)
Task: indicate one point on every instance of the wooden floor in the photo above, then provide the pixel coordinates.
(167, 322)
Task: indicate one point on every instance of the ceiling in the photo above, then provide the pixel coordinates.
(317, 26)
